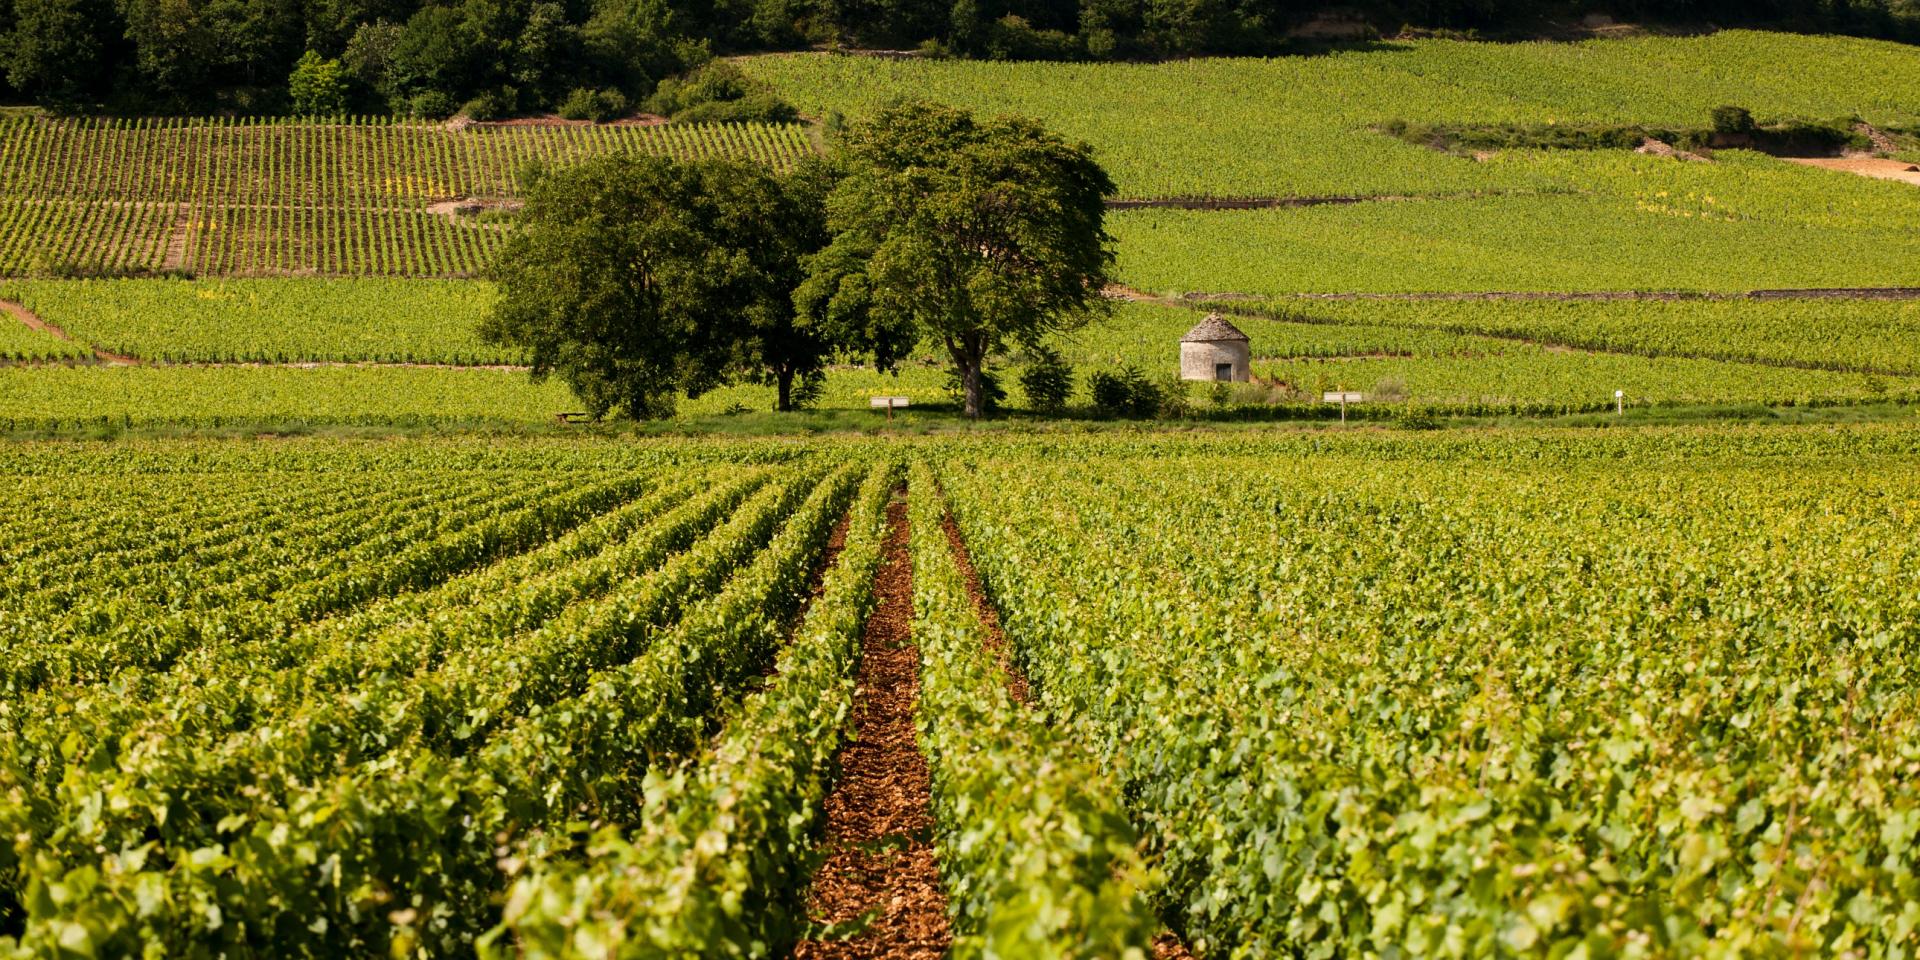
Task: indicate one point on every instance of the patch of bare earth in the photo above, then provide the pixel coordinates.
(1880, 168)
(1168, 947)
(879, 890)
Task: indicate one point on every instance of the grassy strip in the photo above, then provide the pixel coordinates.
(719, 864)
(1038, 855)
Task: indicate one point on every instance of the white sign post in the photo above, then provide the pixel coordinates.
(1342, 397)
(888, 402)
(1620, 402)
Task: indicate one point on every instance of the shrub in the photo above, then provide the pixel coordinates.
(494, 104)
(586, 103)
(1127, 393)
(1732, 120)
(318, 87)
(1047, 380)
(719, 93)
(429, 105)
(759, 108)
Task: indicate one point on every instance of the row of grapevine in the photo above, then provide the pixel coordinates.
(514, 710)
(1035, 851)
(365, 163)
(276, 321)
(725, 843)
(62, 398)
(1492, 697)
(1843, 335)
(246, 197)
(1038, 857)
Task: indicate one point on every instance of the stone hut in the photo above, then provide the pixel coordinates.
(1216, 350)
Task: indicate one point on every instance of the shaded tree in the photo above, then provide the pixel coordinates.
(640, 279)
(975, 234)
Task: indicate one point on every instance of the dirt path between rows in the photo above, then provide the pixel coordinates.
(1166, 946)
(1016, 678)
(881, 880)
(34, 322)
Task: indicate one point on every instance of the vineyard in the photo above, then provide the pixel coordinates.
(270, 320)
(1302, 126)
(247, 197)
(237, 352)
(1478, 695)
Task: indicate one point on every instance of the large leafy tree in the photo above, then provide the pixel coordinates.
(640, 279)
(976, 234)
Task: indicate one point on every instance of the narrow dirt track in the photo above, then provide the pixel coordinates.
(1016, 679)
(880, 877)
(34, 322)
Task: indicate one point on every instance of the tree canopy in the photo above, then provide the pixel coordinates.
(976, 234)
(637, 280)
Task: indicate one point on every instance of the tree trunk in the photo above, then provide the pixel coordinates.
(970, 373)
(784, 378)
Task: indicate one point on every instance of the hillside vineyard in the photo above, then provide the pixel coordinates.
(368, 197)
(1534, 695)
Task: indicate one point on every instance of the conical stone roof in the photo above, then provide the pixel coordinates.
(1213, 329)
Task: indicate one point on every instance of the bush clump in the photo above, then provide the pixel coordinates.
(719, 93)
(1047, 380)
(586, 103)
(1127, 393)
(1732, 119)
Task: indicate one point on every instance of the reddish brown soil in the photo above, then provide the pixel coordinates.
(989, 617)
(552, 120)
(1168, 947)
(880, 867)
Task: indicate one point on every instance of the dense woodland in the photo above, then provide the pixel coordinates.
(597, 57)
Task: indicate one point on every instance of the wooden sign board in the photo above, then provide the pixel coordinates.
(1343, 397)
(889, 403)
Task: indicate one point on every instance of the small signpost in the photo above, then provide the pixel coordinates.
(891, 403)
(1620, 402)
(1342, 397)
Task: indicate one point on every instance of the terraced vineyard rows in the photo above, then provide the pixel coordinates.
(246, 197)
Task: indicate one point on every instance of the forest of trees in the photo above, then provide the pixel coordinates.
(497, 57)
